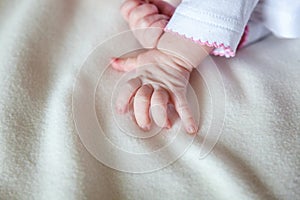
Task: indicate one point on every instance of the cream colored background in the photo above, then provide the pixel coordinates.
(42, 45)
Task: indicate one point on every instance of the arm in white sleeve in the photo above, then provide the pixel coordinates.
(273, 16)
(215, 23)
(280, 17)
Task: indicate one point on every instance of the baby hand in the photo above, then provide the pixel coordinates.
(160, 78)
(147, 20)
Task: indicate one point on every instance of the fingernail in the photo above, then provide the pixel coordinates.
(146, 127)
(115, 63)
(191, 129)
(114, 60)
(168, 124)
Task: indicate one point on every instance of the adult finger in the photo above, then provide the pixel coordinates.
(185, 114)
(159, 106)
(127, 91)
(141, 105)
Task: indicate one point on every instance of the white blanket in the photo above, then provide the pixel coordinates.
(42, 47)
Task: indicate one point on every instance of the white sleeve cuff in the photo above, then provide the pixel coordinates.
(210, 28)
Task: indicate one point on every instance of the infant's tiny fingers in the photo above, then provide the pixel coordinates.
(126, 93)
(160, 23)
(185, 114)
(152, 28)
(141, 104)
(131, 112)
(159, 106)
(141, 12)
(124, 64)
(149, 20)
(164, 7)
(128, 6)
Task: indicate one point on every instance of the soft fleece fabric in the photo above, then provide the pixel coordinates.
(42, 46)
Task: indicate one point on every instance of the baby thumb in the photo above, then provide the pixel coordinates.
(124, 64)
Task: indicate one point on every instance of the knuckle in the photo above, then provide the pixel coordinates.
(182, 106)
(160, 24)
(182, 109)
(134, 10)
(141, 98)
(146, 21)
(159, 98)
(144, 93)
(142, 11)
(128, 5)
(151, 8)
(133, 84)
(163, 23)
(158, 108)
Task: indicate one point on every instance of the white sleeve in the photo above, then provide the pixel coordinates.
(217, 23)
(273, 16)
(280, 17)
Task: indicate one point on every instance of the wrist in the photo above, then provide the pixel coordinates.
(183, 49)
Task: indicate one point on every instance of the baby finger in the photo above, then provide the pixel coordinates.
(141, 105)
(126, 93)
(185, 114)
(159, 106)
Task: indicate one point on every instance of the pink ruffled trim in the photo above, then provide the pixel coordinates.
(227, 51)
